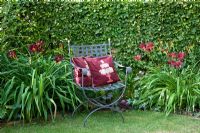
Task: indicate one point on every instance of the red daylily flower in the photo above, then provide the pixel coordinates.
(58, 58)
(149, 46)
(172, 63)
(181, 55)
(137, 57)
(172, 55)
(176, 64)
(39, 45)
(12, 54)
(33, 48)
(142, 46)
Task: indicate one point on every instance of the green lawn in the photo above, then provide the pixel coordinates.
(107, 122)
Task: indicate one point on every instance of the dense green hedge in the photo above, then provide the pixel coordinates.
(126, 23)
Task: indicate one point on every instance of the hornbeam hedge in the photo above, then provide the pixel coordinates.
(172, 25)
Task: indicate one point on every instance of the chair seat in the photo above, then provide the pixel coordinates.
(113, 86)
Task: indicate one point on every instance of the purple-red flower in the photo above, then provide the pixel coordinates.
(176, 64)
(172, 62)
(58, 58)
(12, 54)
(33, 48)
(142, 46)
(181, 55)
(123, 104)
(172, 55)
(177, 61)
(147, 47)
(36, 47)
(137, 57)
(39, 45)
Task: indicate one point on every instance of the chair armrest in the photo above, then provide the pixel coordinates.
(84, 70)
(119, 65)
(128, 69)
(72, 64)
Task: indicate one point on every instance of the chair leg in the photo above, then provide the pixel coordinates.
(77, 108)
(99, 108)
(103, 106)
(120, 112)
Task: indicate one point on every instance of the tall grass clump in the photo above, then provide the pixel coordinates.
(35, 86)
(169, 90)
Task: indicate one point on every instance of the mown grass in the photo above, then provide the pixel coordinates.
(107, 122)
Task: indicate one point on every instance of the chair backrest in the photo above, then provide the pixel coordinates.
(96, 50)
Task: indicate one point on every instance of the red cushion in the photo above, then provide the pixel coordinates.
(102, 70)
(80, 62)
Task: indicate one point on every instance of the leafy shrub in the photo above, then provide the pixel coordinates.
(35, 86)
(169, 83)
(172, 24)
(169, 90)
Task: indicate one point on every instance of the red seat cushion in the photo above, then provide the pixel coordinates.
(80, 62)
(102, 70)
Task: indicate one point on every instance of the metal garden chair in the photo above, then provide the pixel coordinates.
(99, 50)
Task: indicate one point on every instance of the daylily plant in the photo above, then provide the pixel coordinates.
(174, 59)
(35, 48)
(12, 54)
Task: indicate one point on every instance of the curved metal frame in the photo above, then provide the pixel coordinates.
(94, 100)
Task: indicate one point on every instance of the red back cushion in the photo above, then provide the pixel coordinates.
(80, 62)
(102, 70)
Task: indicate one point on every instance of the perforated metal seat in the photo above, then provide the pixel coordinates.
(113, 86)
